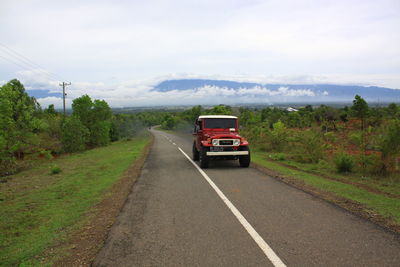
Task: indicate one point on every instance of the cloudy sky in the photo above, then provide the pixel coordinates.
(118, 50)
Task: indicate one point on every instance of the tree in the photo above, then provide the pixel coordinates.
(360, 109)
(96, 117)
(390, 144)
(50, 110)
(100, 133)
(278, 136)
(393, 110)
(221, 110)
(101, 111)
(74, 135)
(169, 122)
(247, 117)
(328, 116)
(82, 109)
(17, 119)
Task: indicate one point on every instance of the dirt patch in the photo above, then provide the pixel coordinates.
(82, 246)
(352, 206)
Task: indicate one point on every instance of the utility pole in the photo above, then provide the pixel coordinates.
(63, 84)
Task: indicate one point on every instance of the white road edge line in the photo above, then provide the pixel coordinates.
(275, 260)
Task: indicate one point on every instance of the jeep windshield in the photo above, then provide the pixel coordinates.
(220, 123)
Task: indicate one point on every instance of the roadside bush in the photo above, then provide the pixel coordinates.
(55, 170)
(74, 135)
(278, 156)
(278, 136)
(308, 146)
(100, 133)
(50, 137)
(344, 163)
(372, 164)
(390, 145)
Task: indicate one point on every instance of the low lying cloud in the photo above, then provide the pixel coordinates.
(141, 92)
(128, 95)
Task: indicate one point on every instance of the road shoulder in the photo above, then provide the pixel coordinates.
(85, 243)
(352, 206)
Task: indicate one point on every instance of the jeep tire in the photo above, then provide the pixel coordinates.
(203, 158)
(195, 153)
(244, 161)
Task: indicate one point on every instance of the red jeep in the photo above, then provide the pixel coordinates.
(217, 136)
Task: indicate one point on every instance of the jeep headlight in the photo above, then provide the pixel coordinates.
(215, 142)
(236, 142)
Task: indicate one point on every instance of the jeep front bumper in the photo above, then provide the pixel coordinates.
(227, 153)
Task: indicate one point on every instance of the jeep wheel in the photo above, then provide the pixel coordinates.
(195, 153)
(244, 160)
(203, 158)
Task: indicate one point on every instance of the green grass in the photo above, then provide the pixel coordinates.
(385, 206)
(388, 184)
(38, 208)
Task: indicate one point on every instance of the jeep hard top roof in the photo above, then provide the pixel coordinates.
(216, 117)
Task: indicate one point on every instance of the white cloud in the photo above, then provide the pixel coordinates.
(111, 42)
(118, 50)
(141, 94)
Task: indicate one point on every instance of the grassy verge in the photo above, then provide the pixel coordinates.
(387, 184)
(372, 203)
(39, 209)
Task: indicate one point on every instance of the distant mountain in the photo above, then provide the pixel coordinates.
(288, 92)
(213, 92)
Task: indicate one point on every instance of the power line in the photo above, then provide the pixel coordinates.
(19, 64)
(20, 60)
(25, 60)
(13, 62)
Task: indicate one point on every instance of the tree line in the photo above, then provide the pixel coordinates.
(27, 131)
(356, 138)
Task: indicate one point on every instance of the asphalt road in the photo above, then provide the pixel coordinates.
(174, 217)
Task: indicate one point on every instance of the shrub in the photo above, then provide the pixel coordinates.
(308, 146)
(100, 133)
(390, 145)
(46, 154)
(344, 163)
(74, 135)
(277, 156)
(55, 170)
(278, 136)
(372, 164)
